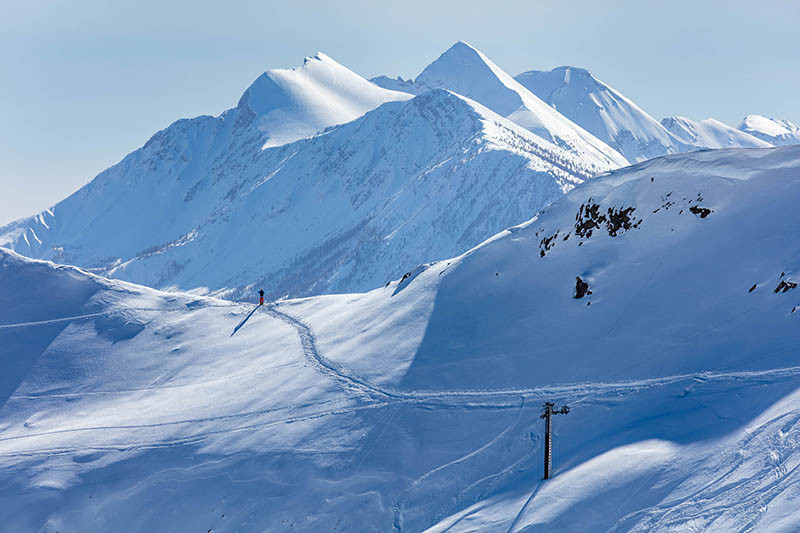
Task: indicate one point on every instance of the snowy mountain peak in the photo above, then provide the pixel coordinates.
(405, 183)
(602, 111)
(289, 104)
(711, 133)
(778, 132)
(467, 71)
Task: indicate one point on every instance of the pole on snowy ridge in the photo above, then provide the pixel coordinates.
(549, 410)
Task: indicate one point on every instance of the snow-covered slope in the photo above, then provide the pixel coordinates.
(201, 205)
(467, 71)
(290, 104)
(417, 405)
(710, 133)
(775, 131)
(602, 111)
(399, 84)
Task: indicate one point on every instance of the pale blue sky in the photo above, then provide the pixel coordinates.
(82, 83)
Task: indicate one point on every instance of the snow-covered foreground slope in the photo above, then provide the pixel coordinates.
(416, 405)
(467, 71)
(344, 211)
(775, 131)
(602, 111)
(710, 133)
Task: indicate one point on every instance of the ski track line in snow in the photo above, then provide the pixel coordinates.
(398, 507)
(581, 391)
(101, 313)
(348, 380)
(188, 440)
(527, 504)
(710, 491)
(78, 395)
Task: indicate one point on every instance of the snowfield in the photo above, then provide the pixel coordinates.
(415, 406)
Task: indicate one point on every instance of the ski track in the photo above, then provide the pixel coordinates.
(525, 506)
(373, 396)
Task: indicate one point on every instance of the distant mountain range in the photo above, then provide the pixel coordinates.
(319, 181)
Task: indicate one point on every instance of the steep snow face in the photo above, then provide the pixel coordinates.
(399, 84)
(417, 405)
(775, 131)
(602, 111)
(467, 71)
(710, 133)
(290, 104)
(202, 206)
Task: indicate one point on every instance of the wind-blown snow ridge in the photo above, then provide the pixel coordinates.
(290, 104)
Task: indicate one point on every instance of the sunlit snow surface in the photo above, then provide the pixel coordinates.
(417, 405)
(202, 207)
(779, 132)
(710, 133)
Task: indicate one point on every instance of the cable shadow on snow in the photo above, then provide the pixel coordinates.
(244, 320)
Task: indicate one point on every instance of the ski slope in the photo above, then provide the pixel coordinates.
(415, 406)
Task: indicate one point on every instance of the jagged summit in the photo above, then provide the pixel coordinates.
(289, 104)
(467, 71)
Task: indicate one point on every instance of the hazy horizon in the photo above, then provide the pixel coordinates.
(85, 84)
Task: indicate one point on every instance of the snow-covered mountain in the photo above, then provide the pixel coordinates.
(468, 72)
(775, 131)
(416, 406)
(710, 133)
(288, 104)
(203, 206)
(602, 111)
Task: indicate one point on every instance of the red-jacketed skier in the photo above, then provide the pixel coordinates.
(261, 297)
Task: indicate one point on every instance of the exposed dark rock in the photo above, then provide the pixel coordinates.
(703, 212)
(547, 243)
(581, 288)
(784, 286)
(621, 220)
